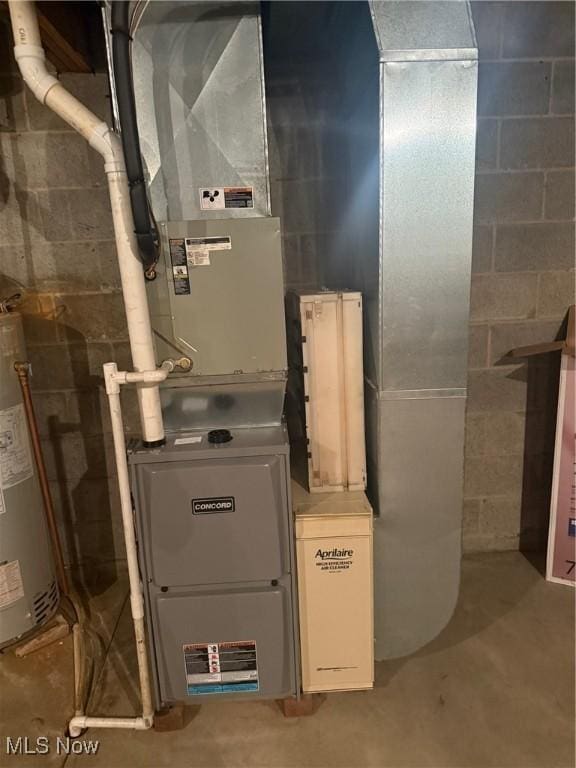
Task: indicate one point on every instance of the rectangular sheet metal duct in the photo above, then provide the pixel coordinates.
(396, 85)
(414, 269)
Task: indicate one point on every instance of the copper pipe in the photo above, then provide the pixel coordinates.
(23, 371)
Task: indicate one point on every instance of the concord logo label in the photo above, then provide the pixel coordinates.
(212, 505)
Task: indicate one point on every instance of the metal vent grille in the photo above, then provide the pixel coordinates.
(45, 603)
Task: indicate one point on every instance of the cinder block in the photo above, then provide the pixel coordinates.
(7, 61)
(555, 294)
(291, 257)
(300, 201)
(540, 142)
(67, 266)
(72, 456)
(51, 160)
(513, 88)
(488, 24)
(493, 475)
(499, 296)
(533, 29)
(504, 433)
(563, 88)
(50, 367)
(475, 437)
(470, 516)
(51, 409)
(540, 246)
(543, 374)
(497, 389)
(482, 248)
(500, 515)
(559, 195)
(17, 268)
(87, 411)
(509, 336)
(20, 217)
(488, 542)
(93, 317)
(86, 361)
(486, 145)
(92, 90)
(478, 346)
(12, 111)
(79, 214)
(108, 261)
(508, 196)
(311, 249)
(295, 153)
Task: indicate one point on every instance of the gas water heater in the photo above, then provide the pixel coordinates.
(212, 504)
(28, 589)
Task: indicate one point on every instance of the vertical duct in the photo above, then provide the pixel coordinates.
(417, 313)
(396, 130)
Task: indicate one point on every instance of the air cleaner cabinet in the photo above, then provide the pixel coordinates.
(335, 594)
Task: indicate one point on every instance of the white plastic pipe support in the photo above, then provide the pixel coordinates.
(78, 724)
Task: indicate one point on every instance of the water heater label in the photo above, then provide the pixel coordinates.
(11, 587)
(221, 667)
(220, 198)
(15, 456)
(213, 504)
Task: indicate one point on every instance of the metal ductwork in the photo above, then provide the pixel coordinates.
(387, 93)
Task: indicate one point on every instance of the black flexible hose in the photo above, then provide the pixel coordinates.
(121, 40)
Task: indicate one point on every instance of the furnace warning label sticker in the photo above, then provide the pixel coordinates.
(11, 587)
(221, 667)
(219, 198)
(179, 266)
(198, 249)
(15, 456)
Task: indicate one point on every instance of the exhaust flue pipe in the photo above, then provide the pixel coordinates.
(49, 91)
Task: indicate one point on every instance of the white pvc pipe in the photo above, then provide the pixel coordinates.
(113, 378)
(47, 89)
(78, 724)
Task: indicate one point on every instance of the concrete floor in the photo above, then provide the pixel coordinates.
(496, 688)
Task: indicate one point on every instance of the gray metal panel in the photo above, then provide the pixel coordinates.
(213, 405)
(199, 89)
(424, 29)
(260, 614)
(256, 441)
(232, 321)
(428, 128)
(417, 538)
(249, 543)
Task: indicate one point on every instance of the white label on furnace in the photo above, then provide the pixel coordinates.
(11, 587)
(15, 457)
(199, 258)
(188, 440)
(220, 198)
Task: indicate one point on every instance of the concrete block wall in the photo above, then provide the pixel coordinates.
(57, 248)
(523, 260)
